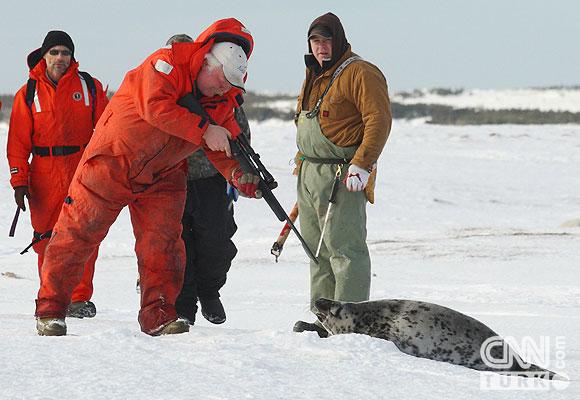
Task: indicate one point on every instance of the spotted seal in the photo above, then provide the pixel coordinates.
(425, 330)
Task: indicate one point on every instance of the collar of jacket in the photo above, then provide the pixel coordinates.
(39, 71)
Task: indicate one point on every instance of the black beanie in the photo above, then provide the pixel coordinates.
(57, 38)
(53, 38)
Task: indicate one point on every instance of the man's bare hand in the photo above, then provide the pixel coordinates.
(216, 138)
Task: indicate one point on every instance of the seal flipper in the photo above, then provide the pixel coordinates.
(534, 371)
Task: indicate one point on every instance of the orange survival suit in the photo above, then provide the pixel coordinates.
(55, 129)
(137, 158)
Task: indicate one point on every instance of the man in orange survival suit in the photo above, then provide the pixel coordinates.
(54, 122)
(137, 158)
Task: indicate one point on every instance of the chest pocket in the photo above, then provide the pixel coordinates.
(337, 107)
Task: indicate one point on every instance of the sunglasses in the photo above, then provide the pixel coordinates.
(55, 52)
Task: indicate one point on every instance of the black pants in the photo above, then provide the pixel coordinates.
(208, 226)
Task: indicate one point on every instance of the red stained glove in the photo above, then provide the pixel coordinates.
(357, 178)
(246, 183)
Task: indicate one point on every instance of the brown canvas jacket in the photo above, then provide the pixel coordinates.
(355, 111)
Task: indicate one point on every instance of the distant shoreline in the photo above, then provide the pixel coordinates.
(440, 106)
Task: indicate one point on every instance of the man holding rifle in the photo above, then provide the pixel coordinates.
(136, 159)
(343, 123)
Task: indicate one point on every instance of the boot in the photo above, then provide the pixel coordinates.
(51, 326)
(301, 326)
(213, 310)
(186, 312)
(81, 309)
(174, 327)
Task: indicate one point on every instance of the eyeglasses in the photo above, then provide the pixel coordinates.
(55, 52)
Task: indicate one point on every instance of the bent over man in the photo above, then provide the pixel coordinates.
(53, 117)
(136, 159)
(343, 122)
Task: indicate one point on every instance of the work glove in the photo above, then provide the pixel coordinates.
(356, 179)
(19, 193)
(246, 183)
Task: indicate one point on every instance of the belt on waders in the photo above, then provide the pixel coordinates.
(37, 238)
(327, 160)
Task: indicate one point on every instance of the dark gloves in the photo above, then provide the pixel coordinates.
(19, 193)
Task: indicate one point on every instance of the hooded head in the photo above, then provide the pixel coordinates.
(228, 30)
(230, 44)
(328, 26)
(53, 38)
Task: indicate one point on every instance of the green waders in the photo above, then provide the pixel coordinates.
(344, 269)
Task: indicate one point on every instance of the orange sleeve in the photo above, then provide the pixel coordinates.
(221, 162)
(156, 93)
(231, 125)
(19, 145)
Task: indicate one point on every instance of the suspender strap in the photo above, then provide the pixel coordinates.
(314, 112)
(92, 90)
(14, 222)
(30, 89)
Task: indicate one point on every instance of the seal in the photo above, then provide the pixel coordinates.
(429, 331)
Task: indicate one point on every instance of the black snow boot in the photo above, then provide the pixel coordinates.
(187, 313)
(213, 310)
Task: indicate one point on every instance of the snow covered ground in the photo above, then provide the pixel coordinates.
(466, 217)
(564, 99)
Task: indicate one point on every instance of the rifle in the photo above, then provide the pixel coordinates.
(250, 162)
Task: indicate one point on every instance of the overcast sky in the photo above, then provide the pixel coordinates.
(416, 43)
